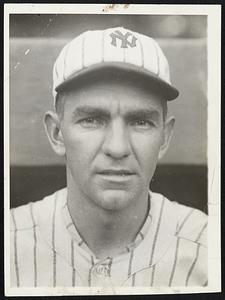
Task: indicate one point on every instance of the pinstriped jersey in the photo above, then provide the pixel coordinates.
(47, 250)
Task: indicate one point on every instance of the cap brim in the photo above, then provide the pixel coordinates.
(168, 91)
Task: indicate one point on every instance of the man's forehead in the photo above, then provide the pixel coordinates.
(109, 109)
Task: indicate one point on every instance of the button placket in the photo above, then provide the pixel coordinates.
(99, 270)
(102, 269)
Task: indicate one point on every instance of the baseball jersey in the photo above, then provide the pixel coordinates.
(48, 251)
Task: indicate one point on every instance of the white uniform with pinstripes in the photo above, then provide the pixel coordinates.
(47, 251)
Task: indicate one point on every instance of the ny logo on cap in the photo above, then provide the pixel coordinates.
(124, 39)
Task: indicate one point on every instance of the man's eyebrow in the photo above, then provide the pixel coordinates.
(143, 113)
(129, 115)
(90, 110)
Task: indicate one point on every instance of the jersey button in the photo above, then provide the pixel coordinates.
(101, 270)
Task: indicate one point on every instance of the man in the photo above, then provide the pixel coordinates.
(106, 228)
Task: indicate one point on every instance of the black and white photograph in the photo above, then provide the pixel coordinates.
(112, 149)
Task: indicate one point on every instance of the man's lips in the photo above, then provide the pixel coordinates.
(113, 172)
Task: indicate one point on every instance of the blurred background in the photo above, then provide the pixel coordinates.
(35, 42)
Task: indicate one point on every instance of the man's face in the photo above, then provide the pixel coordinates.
(112, 134)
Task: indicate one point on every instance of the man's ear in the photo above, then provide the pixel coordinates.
(167, 135)
(53, 131)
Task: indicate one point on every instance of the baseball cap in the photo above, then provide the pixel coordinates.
(118, 48)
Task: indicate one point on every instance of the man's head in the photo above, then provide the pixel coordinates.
(111, 115)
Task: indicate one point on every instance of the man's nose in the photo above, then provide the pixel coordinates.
(116, 143)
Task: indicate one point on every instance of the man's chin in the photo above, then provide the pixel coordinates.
(115, 200)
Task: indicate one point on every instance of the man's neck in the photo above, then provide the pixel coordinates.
(106, 232)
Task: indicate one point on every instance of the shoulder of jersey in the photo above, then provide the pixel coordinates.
(191, 222)
(25, 217)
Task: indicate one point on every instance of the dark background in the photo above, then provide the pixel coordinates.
(35, 41)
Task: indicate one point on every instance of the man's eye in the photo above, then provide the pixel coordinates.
(91, 122)
(142, 124)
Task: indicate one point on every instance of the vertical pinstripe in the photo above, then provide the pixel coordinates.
(142, 235)
(193, 265)
(156, 232)
(56, 71)
(185, 220)
(133, 279)
(103, 44)
(130, 262)
(15, 251)
(157, 55)
(206, 283)
(82, 49)
(174, 263)
(124, 54)
(53, 244)
(142, 53)
(72, 263)
(89, 273)
(35, 244)
(64, 61)
(200, 233)
(152, 276)
(110, 266)
(154, 241)
(64, 206)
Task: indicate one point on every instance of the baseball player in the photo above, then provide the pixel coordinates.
(106, 228)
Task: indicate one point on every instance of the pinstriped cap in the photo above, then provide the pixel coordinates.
(117, 48)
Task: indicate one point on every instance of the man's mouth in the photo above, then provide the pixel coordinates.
(113, 172)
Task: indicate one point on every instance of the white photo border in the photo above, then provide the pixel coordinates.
(213, 13)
